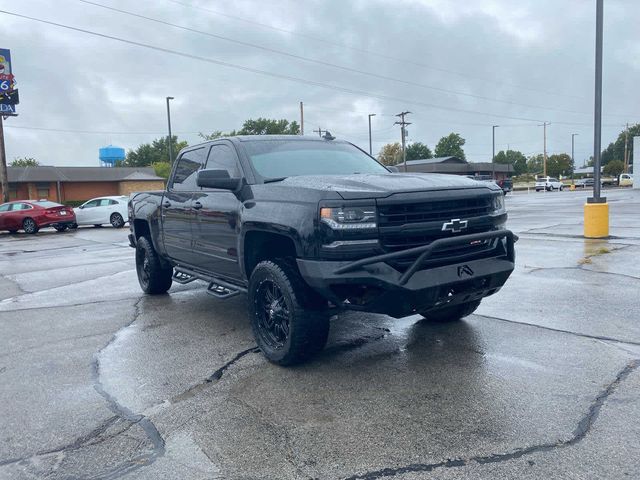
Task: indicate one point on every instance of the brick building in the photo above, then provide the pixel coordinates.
(66, 184)
(457, 166)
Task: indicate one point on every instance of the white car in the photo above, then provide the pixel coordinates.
(548, 183)
(99, 211)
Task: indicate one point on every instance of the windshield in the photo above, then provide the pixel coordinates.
(286, 158)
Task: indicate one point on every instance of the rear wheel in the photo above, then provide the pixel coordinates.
(61, 228)
(452, 313)
(154, 278)
(30, 226)
(116, 220)
(289, 320)
(561, 187)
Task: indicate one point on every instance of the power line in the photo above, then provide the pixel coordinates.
(328, 64)
(369, 52)
(263, 72)
(93, 132)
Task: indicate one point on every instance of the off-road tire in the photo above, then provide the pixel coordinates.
(452, 313)
(308, 318)
(116, 220)
(153, 276)
(61, 228)
(30, 226)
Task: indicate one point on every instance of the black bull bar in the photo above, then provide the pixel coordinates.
(426, 251)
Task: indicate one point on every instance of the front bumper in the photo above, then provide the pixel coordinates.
(373, 285)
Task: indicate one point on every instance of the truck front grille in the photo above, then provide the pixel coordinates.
(438, 211)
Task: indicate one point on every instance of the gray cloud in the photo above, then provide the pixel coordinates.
(536, 53)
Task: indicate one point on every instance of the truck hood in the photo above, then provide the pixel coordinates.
(360, 186)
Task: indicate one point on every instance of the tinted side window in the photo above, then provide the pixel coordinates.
(91, 204)
(5, 207)
(19, 206)
(188, 165)
(223, 157)
(105, 202)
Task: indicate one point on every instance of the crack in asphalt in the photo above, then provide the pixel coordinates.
(580, 432)
(152, 433)
(582, 268)
(560, 330)
(214, 377)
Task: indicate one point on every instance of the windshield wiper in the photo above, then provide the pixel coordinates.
(276, 179)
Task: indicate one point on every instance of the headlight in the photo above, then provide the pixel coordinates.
(498, 204)
(349, 218)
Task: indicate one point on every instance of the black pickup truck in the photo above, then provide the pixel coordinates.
(307, 226)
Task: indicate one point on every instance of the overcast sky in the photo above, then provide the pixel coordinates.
(459, 66)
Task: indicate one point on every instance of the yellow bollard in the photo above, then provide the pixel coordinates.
(596, 220)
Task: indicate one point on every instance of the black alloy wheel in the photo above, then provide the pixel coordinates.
(290, 321)
(153, 276)
(30, 226)
(273, 314)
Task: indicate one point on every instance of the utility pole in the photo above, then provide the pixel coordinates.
(403, 132)
(370, 115)
(573, 163)
(319, 131)
(301, 119)
(626, 150)
(170, 137)
(544, 154)
(493, 156)
(4, 181)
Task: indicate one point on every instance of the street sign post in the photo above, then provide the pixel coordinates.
(8, 100)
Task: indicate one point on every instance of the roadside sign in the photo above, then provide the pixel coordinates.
(7, 110)
(8, 90)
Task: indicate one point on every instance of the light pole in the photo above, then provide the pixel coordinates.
(493, 157)
(370, 115)
(573, 163)
(169, 124)
(596, 210)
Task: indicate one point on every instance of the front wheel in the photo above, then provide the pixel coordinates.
(116, 220)
(289, 320)
(452, 313)
(154, 278)
(30, 226)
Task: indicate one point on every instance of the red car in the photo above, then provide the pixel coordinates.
(32, 215)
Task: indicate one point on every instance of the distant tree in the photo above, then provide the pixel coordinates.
(559, 164)
(535, 164)
(451, 146)
(390, 154)
(259, 126)
(162, 169)
(155, 152)
(615, 150)
(515, 158)
(24, 162)
(418, 150)
(613, 168)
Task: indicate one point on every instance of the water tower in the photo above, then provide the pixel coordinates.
(110, 155)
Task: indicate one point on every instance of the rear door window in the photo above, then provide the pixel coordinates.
(184, 178)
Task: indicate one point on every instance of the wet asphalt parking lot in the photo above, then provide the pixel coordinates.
(100, 381)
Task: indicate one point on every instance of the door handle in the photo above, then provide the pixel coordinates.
(166, 204)
(197, 205)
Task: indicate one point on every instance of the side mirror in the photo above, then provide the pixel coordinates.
(393, 169)
(81, 207)
(217, 179)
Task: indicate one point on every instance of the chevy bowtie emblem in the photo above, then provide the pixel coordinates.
(455, 225)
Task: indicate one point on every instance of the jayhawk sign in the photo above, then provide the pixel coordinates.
(8, 92)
